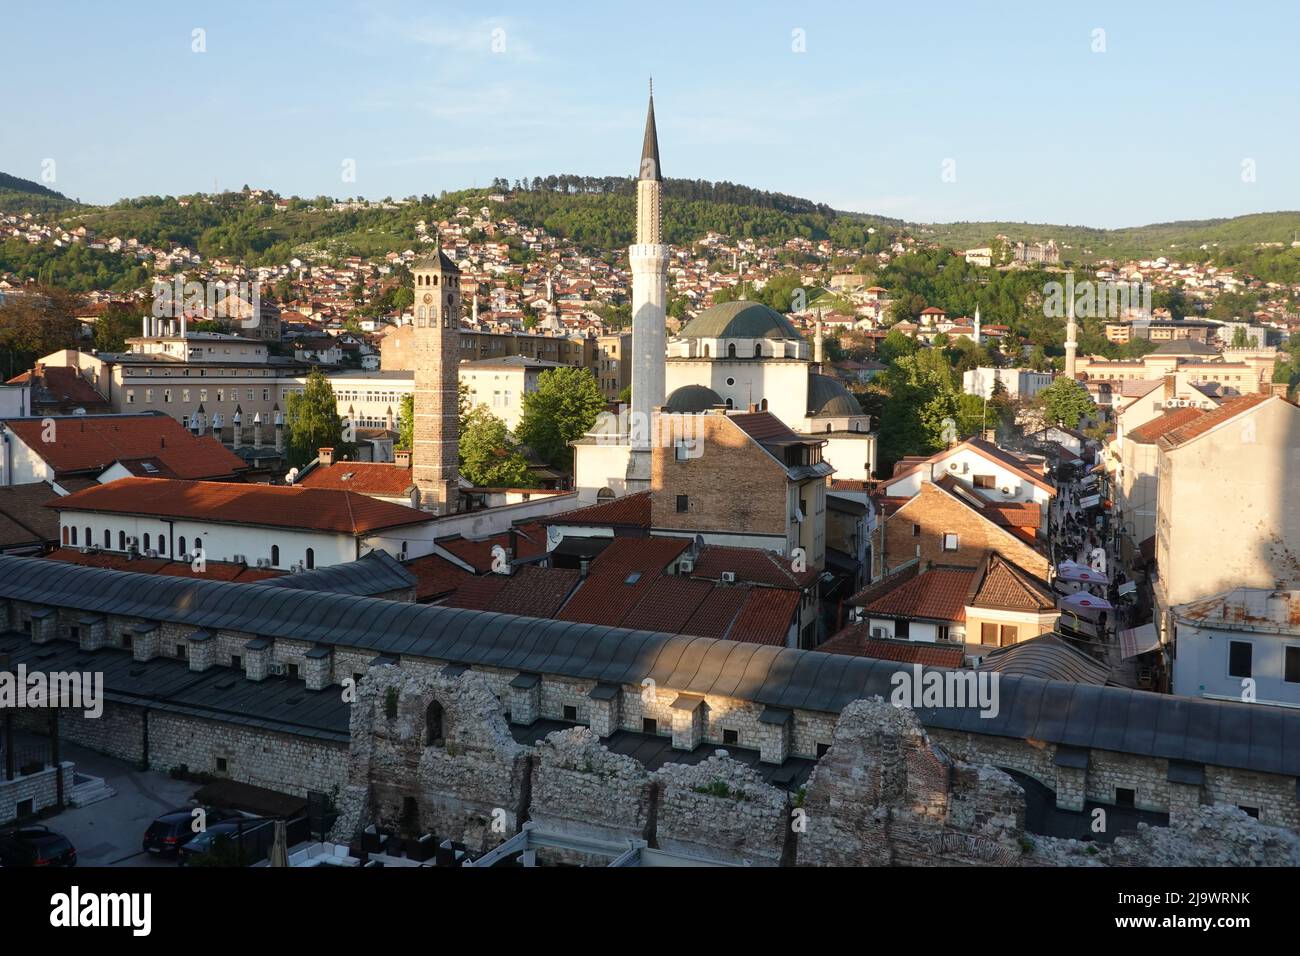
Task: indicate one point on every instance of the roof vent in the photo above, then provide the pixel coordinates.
(632, 578)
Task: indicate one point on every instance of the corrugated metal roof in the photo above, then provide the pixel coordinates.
(1224, 733)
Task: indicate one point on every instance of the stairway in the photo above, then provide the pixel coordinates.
(87, 790)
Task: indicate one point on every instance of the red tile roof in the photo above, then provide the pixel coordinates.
(435, 576)
(981, 447)
(1152, 430)
(90, 443)
(766, 616)
(764, 427)
(714, 617)
(530, 542)
(60, 384)
(620, 577)
(668, 604)
(937, 595)
(313, 509)
(212, 570)
(856, 640)
(631, 510)
(1215, 416)
(750, 565)
(363, 477)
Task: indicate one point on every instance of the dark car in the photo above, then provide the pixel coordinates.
(36, 845)
(174, 829)
(238, 841)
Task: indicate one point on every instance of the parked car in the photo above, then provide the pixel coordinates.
(175, 828)
(253, 838)
(36, 845)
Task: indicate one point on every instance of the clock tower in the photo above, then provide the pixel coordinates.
(434, 454)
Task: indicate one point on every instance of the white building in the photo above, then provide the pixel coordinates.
(1020, 383)
(1241, 645)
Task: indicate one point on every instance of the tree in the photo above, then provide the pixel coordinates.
(1067, 402)
(895, 345)
(35, 324)
(118, 323)
(920, 414)
(564, 407)
(489, 457)
(406, 416)
(1240, 338)
(312, 422)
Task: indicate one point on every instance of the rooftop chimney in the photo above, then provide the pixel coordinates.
(402, 457)
(1171, 387)
(326, 456)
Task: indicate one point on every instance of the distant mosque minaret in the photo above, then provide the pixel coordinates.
(649, 261)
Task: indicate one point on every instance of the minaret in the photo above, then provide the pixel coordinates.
(649, 261)
(1071, 339)
(819, 345)
(977, 325)
(434, 455)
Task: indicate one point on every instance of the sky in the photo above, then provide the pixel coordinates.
(1096, 114)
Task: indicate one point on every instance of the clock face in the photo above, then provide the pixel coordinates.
(428, 297)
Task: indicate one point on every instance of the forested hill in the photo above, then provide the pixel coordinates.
(23, 195)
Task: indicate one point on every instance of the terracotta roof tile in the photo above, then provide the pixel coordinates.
(937, 595)
(315, 509)
(90, 443)
(631, 510)
(213, 570)
(668, 604)
(714, 616)
(752, 565)
(435, 576)
(363, 477)
(1004, 585)
(530, 542)
(1215, 416)
(856, 640)
(766, 616)
(1152, 430)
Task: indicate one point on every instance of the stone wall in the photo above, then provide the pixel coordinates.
(40, 788)
(721, 810)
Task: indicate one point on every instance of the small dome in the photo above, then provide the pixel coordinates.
(827, 398)
(693, 398)
(740, 320)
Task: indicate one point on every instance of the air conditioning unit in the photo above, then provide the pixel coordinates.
(297, 568)
(965, 467)
(879, 633)
(277, 669)
(263, 562)
(151, 553)
(953, 466)
(728, 577)
(132, 544)
(239, 559)
(401, 556)
(686, 565)
(1006, 491)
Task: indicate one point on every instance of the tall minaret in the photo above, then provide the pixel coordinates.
(649, 260)
(434, 457)
(1071, 339)
(819, 354)
(977, 325)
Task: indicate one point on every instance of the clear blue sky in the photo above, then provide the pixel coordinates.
(1041, 128)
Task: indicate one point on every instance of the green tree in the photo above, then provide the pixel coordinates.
(1240, 338)
(118, 323)
(920, 414)
(1067, 402)
(563, 407)
(312, 422)
(406, 416)
(489, 457)
(895, 345)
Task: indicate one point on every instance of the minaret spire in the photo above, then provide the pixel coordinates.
(650, 145)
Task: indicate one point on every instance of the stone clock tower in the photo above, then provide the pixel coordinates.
(434, 457)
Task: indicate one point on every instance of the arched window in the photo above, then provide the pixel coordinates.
(605, 494)
(433, 725)
(146, 541)
(763, 405)
(706, 351)
(434, 280)
(108, 539)
(828, 426)
(89, 539)
(180, 547)
(162, 544)
(311, 559)
(731, 350)
(121, 541)
(729, 403)
(758, 350)
(275, 555)
(65, 536)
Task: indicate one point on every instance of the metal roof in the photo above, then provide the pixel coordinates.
(1197, 730)
(375, 573)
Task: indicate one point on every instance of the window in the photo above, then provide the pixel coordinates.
(1250, 811)
(570, 712)
(275, 555)
(916, 531)
(1010, 634)
(985, 481)
(108, 539)
(88, 538)
(236, 662)
(221, 765)
(822, 749)
(1239, 658)
(942, 632)
(74, 535)
(682, 505)
(730, 737)
(1291, 668)
(903, 630)
(731, 350)
(950, 541)
(130, 396)
(311, 559)
(146, 540)
(1125, 797)
(180, 547)
(989, 634)
(293, 672)
(649, 725)
(182, 651)
(121, 540)
(433, 734)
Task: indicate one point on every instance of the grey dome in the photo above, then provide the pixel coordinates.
(827, 397)
(693, 398)
(740, 320)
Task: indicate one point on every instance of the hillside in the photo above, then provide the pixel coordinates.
(23, 195)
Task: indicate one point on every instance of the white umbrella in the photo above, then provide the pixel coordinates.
(1083, 601)
(1077, 572)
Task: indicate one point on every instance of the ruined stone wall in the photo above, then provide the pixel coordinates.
(722, 810)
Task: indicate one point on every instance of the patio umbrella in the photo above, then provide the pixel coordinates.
(1069, 571)
(280, 848)
(1083, 601)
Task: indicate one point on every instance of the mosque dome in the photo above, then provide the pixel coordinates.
(693, 398)
(827, 398)
(740, 320)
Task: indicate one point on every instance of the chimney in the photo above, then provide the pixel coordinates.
(326, 456)
(584, 568)
(257, 431)
(402, 457)
(279, 428)
(1171, 387)
(1280, 389)
(753, 407)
